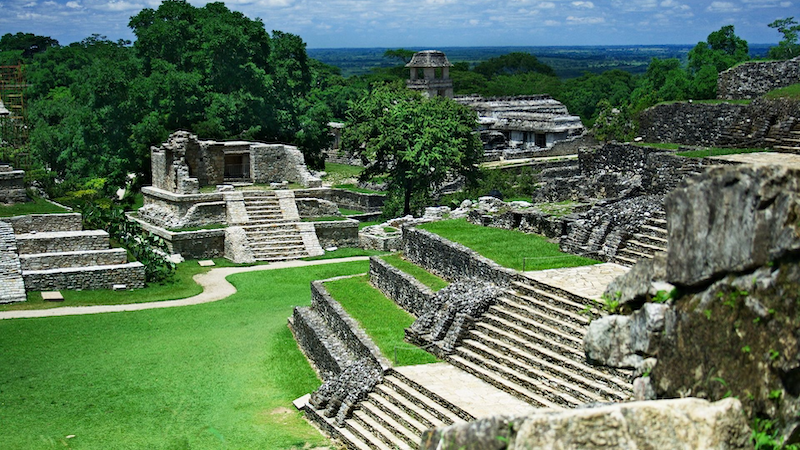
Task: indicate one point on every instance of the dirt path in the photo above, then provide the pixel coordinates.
(215, 287)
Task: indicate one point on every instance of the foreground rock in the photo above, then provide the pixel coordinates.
(667, 424)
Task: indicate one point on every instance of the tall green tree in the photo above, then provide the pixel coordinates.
(721, 51)
(416, 143)
(513, 64)
(788, 47)
(28, 44)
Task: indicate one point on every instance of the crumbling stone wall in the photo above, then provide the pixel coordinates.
(756, 78)
(337, 233)
(763, 123)
(12, 288)
(12, 186)
(345, 198)
(201, 244)
(85, 278)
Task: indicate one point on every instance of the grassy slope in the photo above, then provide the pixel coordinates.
(422, 275)
(720, 151)
(37, 206)
(213, 376)
(380, 317)
(507, 247)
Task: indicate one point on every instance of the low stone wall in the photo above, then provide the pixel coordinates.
(45, 222)
(526, 221)
(85, 278)
(12, 288)
(201, 244)
(402, 288)
(62, 241)
(450, 260)
(754, 79)
(344, 198)
(83, 258)
(338, 233)
(347, 343)
(316, 207)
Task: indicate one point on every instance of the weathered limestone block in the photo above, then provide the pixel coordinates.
(756, 78)
(665, 424)
(315, 207)
(731, 220)
(643, 281)
(237, 248)
(12, 287)
(625, 341)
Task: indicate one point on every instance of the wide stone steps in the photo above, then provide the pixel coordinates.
(509, 309)
(80, 258)
(653, 241)
(270, 234)
(61, 241)
(394, 416)
(643, 248)
(537, 294)
(655, 231)
(579, 378)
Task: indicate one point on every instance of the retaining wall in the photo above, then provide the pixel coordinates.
(62, 241)
(83, 258)
(12, 288)
(201, 244)
(756, 78)
(344, 198)
(526, 221)
(450, 260)
(45, 222)
(402, 288)
(325, 351)
(338, 233)
(85, 278)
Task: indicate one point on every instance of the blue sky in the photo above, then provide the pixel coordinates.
(432, 23)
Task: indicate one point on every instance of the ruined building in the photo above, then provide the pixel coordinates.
(534, 122)
(430, 74)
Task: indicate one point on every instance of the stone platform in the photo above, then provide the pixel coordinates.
(584, 281)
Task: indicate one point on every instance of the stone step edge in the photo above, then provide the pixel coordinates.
(524, 318)
(351, 440)
(458, 411)
(549, 308)
(378, 430)
(399, 415)
(390, 424)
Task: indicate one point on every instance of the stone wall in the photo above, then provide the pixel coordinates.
(761, 124)
(756, 78)
(344, 198)
(201, 244)
(278, 162)
(12, 288)
(45, 222)
(12, 186)
(402, 288)
(328, 357)
(86, 278)
(44, 261)
(338, 233)
(170, 210)
(316, 207)
(526, 221)
(450, 260)
(65, 241)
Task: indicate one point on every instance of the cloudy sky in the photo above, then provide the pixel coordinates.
(431, 23)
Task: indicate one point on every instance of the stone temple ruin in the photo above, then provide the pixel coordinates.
(237, 193)
(522, 126)
(430, 74)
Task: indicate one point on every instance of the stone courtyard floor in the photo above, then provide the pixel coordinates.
(763, 158)
(586, 281)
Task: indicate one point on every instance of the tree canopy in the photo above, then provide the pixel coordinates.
(788, 47)
(415, 142)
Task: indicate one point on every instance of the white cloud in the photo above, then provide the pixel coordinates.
(552, 23)
(116, 6)
(474, 22)
(546, 5)
(73, 5)
(583, 4)
(572, 20)
(723, 7)
(29, 5)
(786, 4)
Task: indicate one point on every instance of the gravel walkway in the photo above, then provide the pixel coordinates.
(215, 287)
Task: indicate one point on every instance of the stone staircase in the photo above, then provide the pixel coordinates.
(787, 142)
(393, 416)
(646, 242)
(530, 344)
(66, 257)
(274, 231)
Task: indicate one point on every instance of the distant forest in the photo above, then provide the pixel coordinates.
(568, 62)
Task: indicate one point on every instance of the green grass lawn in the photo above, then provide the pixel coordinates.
(368, 223)
(336, 171)
(720, 151)
(350, 212)
(661, 145)
(507, 247)
(220, 375)
(180, 286)
(380, 317)
(345, 252)
(423, 276)
(37, 206)
(792, 91)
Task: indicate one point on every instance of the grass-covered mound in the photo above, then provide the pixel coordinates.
(507, 247)
(380, 317)
(212, 376)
